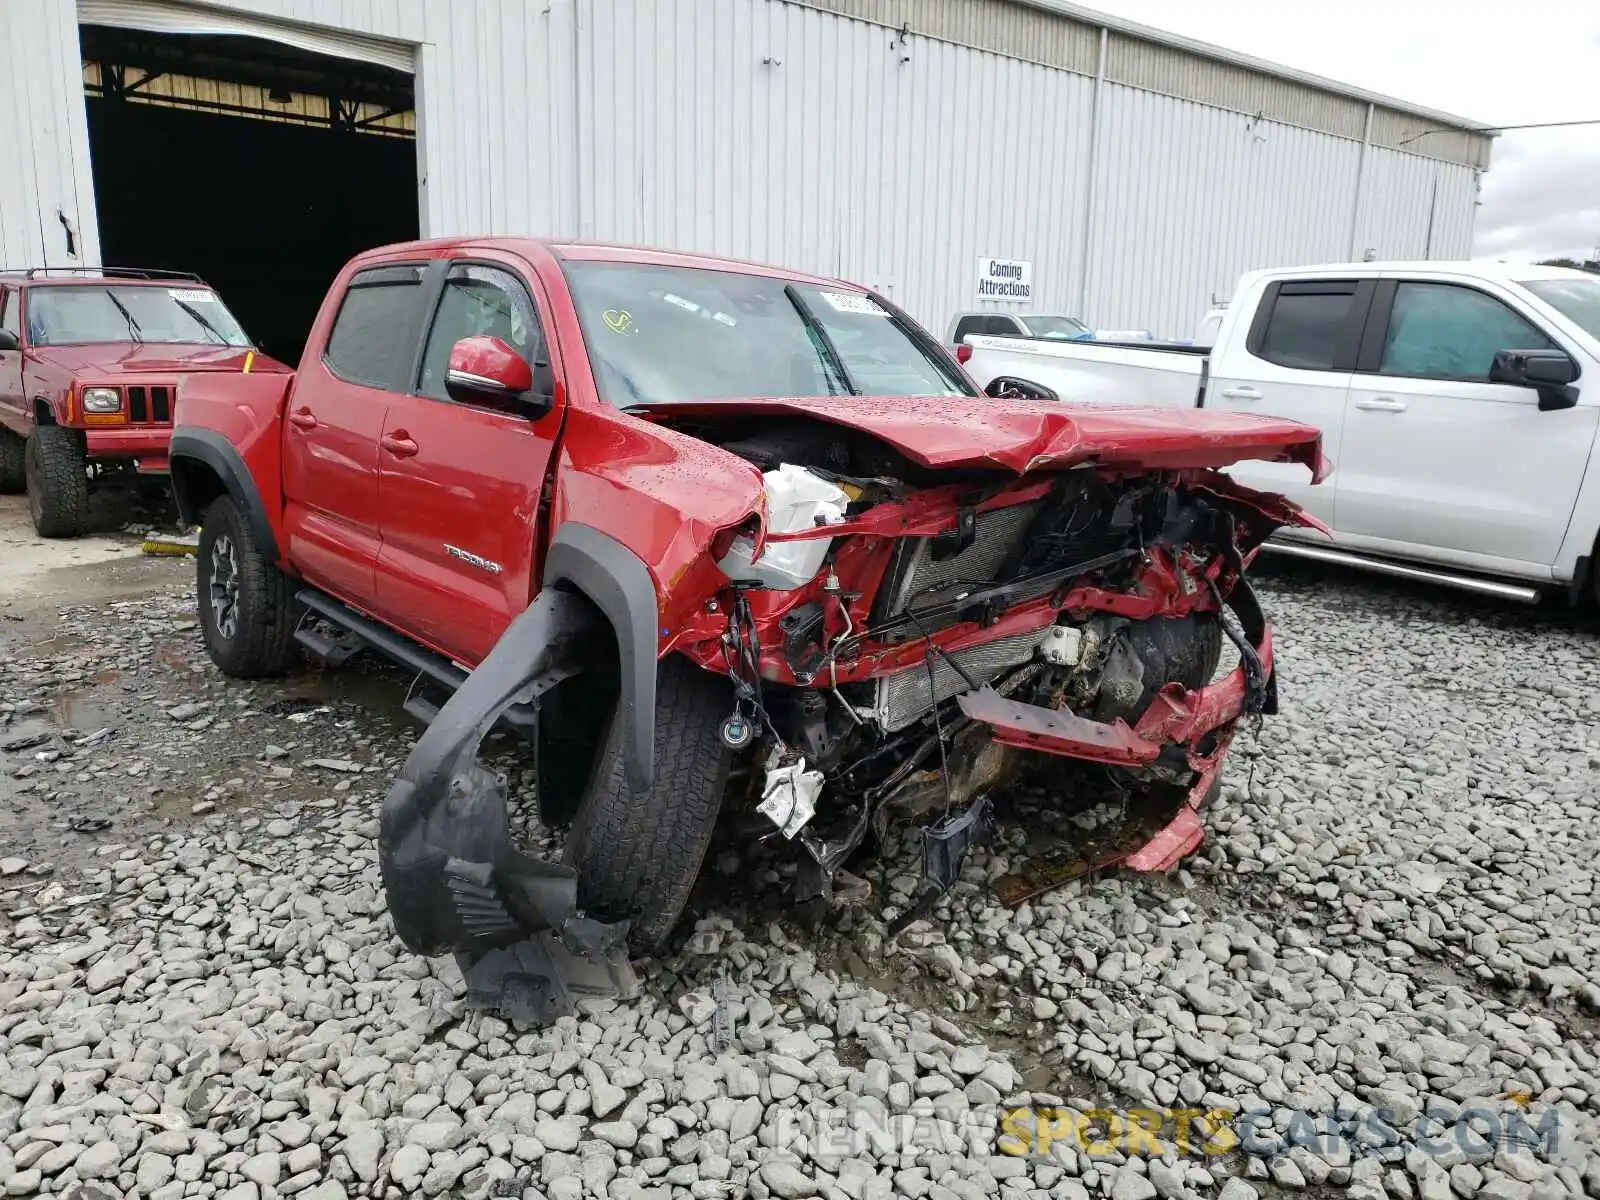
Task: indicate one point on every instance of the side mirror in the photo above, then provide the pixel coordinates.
(1009, 387)
(8, 341)
(485, 370)
(1549, 372)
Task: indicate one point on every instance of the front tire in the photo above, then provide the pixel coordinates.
(247, 608)
(638, 856)
(56, 469)
(13, 469)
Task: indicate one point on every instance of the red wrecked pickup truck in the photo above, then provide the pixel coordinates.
(714, 536)
(90, 362)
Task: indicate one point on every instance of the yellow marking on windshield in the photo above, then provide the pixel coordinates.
(619, 321)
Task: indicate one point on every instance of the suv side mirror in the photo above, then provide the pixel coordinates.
(1549, 372)
(8, 341)
(1009, 387)
(485, 370)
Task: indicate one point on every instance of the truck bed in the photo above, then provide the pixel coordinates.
(1164, 376)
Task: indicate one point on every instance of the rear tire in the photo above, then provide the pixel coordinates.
(56, 469)
(247, 607)
(638, 856)
(13, 469)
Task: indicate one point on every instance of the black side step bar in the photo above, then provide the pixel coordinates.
(523, 718)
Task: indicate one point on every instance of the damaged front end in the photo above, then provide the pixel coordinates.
(906, 636)
(908, 644)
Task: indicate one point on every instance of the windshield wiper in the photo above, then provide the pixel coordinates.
(133, 326)
(204, 324)
(830, 352)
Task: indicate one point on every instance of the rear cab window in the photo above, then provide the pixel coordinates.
(1310, 324)
(987, 325)
(374, 337)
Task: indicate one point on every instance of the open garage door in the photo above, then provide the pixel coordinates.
(261, 163)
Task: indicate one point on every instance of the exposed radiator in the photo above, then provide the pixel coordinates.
(907, 695)
(917, 585)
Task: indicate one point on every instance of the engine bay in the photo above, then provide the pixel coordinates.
(1087, 592)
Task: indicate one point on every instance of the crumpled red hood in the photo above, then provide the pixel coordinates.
(1026, 435)
(154, 358)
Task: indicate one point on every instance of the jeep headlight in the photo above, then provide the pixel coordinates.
(101, 400)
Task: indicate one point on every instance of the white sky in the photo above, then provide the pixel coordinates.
(1493, 61)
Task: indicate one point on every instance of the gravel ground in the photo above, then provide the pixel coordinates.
(1380, 975)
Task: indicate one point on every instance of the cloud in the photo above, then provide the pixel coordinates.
(1541, 197)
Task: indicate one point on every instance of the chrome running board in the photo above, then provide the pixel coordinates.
(1381, 566)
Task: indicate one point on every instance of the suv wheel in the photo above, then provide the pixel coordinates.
(13, 473)
(57, 473)
(247, 608)
(638, 856)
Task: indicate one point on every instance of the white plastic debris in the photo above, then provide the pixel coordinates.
(789, 797)
(796, 500)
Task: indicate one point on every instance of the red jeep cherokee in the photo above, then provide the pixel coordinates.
(90, 364)
(716, 537)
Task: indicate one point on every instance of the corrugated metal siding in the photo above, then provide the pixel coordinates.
(838, 157)
(1188, 197)
(661, 123)
(44, 138)
(1014, 30)
(1398, 195)
(1172, 72)
(1429, 139)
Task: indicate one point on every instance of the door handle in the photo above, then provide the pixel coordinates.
(398, 444)
(303, 418)
(1243, 392)
(1382, 404)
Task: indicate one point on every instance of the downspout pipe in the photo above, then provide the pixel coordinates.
(1085, 248)
(1361, 174)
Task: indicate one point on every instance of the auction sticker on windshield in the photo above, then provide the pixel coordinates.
(191, 295)
(852, 302)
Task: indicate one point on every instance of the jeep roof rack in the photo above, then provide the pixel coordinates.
(110, 273)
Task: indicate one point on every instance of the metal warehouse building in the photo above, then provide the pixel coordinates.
(894, 142)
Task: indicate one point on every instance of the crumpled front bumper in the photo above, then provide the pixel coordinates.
(454, 880)
(1197, 724)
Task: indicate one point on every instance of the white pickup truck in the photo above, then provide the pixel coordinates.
(1457, 401)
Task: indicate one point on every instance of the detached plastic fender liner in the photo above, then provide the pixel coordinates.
(210, 448)
(617, 581)
(454, 880)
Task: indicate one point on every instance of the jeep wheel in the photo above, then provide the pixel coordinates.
(638, 856)
(57, 473)
(13, 472)
(247, 608)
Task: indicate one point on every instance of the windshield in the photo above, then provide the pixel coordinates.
(663, 334)
(1576, 299)
(1055, 327)
(63, 316)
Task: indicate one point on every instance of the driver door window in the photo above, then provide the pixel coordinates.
(1442, 331)
(479, 300)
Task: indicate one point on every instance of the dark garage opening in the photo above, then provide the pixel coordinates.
(258, 166)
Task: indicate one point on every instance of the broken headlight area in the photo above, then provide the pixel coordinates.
(961, 642)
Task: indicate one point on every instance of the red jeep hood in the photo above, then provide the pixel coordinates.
(150, 358)
(1025, 435)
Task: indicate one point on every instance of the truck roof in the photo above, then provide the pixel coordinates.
(601, 252)
(130, 276)
(1507, 272)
